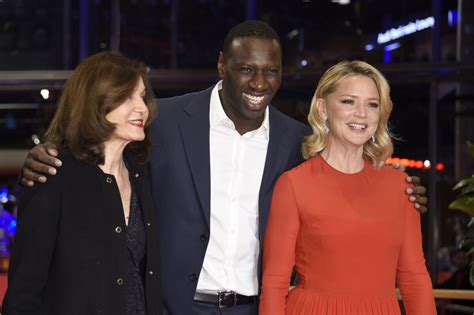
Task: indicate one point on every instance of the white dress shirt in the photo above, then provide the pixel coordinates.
(237, 163)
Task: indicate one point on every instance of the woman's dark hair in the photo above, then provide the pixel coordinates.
(101, 83)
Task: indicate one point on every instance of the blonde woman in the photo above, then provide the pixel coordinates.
(342, 218)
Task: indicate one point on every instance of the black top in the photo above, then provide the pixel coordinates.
(136, 244)
(70, 254)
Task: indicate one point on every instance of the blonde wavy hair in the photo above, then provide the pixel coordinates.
(377, 152)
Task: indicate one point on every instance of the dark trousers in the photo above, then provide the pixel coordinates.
(209, 309)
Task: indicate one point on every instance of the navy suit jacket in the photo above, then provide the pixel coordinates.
(180, 172)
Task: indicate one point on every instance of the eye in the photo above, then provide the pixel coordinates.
(373, 104)
(347, 101)
(245, 69)
(273, 71)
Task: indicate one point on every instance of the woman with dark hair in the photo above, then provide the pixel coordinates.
(86, 242)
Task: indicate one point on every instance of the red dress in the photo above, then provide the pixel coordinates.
(350, 237)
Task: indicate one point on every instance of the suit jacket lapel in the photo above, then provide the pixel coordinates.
(195, 135)
(274, 163)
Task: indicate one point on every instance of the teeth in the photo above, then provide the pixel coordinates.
(254, 99)
(136, 122)
(357, 126)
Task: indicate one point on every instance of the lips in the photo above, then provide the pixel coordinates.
(357, 126)
(137, 122)
(256, 102)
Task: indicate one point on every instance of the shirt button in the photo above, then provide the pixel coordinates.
(108, 180)
(151, 273)
(148, 224)
(118, 230)
(204, 237)
(119, 281)
(193, 277)
(136, 175)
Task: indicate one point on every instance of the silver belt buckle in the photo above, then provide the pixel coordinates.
(223, 298)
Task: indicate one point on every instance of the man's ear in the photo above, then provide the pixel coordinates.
(321, 107)
(221, 65)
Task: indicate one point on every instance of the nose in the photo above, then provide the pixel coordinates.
(258, 81)
(361, 110)
(140, 106)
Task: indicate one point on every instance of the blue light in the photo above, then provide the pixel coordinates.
(369, 47)
(453, 17)
(4, 194)
(304, 62)
(387, 56)
(392, 46)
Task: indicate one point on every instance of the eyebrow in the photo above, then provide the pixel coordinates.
(355, 96)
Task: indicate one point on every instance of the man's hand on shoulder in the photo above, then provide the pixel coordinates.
(40, 161)
(417, 194)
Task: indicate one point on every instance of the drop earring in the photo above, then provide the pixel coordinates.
(325, 126)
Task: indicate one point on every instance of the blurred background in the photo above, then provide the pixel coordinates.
(425, 48)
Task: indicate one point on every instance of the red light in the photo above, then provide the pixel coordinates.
(419, 164)
(411, 163)
(404, 162)
(440, 166)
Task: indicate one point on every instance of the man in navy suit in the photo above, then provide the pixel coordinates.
(217, 156)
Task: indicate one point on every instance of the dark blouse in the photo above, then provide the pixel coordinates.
(136, 244)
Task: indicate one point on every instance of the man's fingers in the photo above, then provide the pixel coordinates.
(51, 148)
(422, 200)
(30, 175)
(415, 180)
(27, 183)
(38, 167)
(422, 209)
(419, 200)
(42, 153)
(48, 159)
(420, 190)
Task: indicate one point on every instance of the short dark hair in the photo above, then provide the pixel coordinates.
(250, 28)
(101, 83)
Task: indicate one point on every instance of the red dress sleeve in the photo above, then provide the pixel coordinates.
(412, 277)
(279, 248)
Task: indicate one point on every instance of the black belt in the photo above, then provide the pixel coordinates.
(224, 299)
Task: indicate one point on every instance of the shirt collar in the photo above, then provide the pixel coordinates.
(218, 117)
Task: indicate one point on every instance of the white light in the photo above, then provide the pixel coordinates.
(304, 62)
(35, 139)
(404, 30)
(293, 34)
(44, 93)
(369, 47)
(427, 163)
